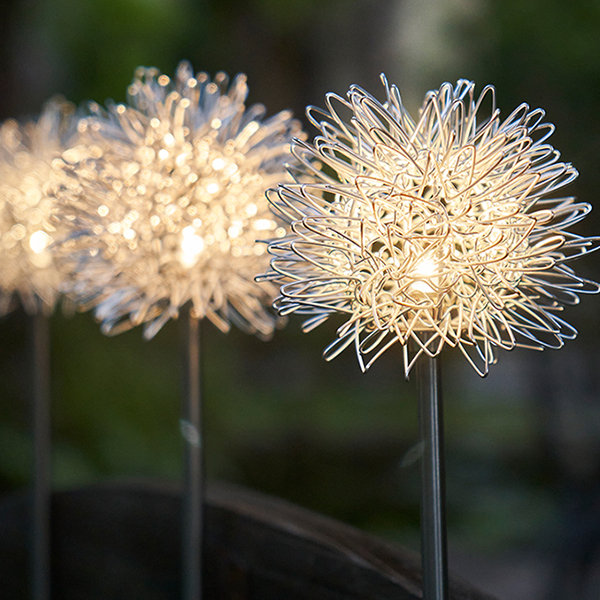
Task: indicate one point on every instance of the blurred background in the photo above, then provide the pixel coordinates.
(523, 445)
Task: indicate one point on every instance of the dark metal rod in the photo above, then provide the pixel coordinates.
(41, 495)
(433, 494)
(193, 494)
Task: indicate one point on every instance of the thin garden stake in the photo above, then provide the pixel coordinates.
(433, 496)
(41, 493)
(193, 494)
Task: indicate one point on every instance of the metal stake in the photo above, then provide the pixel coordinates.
(193, 495)
(41, 495)
(433, 496)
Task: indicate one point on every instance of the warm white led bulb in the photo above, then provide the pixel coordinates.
(192, 246)
(39, 241)
(423, 275)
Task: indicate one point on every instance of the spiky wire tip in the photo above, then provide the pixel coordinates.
(430, 233)
(28, 266)
(169, 207)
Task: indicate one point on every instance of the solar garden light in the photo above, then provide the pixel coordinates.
(30, 275)
(439, 232)
(164, 215)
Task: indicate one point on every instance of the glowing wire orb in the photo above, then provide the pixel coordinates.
(28, 265)
(429, 233)
(170, 207)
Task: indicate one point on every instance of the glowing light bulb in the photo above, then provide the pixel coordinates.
(192, 246)
(424, 271)
(39, 241)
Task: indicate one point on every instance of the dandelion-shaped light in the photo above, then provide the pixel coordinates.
(444, 230)
(169, 208)
(165, 212)
(28, 266)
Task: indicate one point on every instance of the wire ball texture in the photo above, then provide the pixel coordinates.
(436, 232)
(168, 207)
(29, 269)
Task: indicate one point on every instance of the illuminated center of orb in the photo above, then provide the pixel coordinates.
(192, 246)
(423, 272)
(39, 241)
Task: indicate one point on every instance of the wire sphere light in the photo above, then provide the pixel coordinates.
(28, 266)
(168, 208)
(430, 233)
